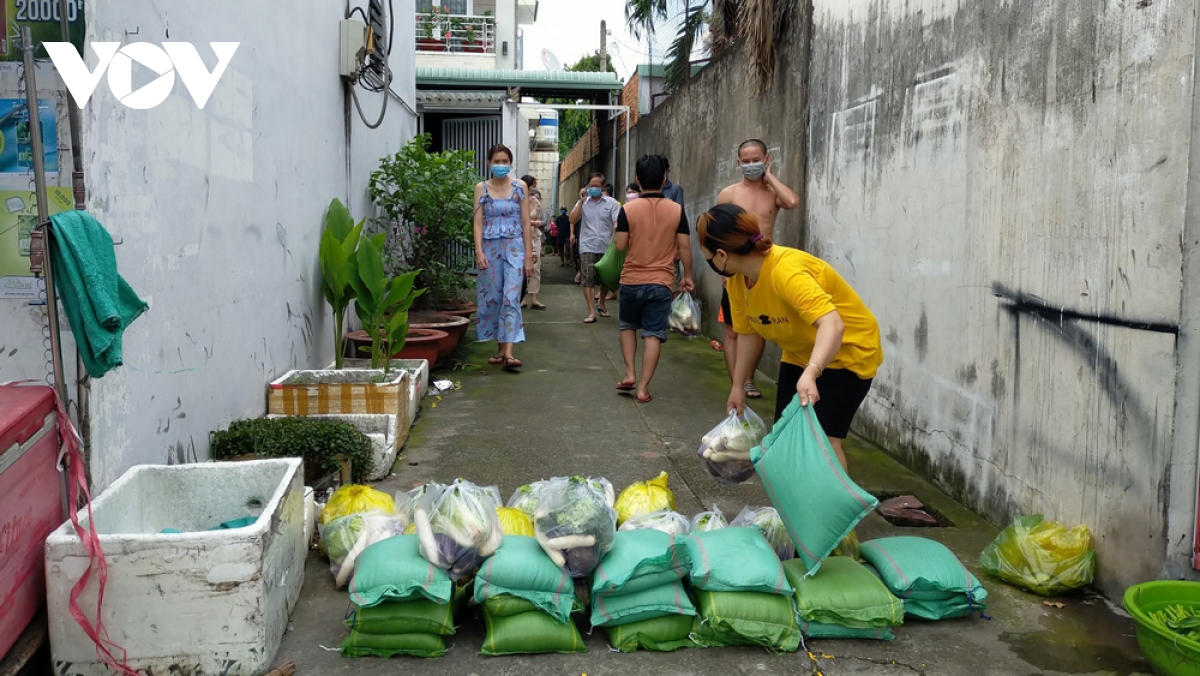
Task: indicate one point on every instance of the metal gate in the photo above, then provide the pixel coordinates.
(473, 133)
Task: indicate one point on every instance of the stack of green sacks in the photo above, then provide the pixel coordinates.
(527, 601)
(843, 600)
(400, 603)
(927, 576)
(638, 595)
(742, 594)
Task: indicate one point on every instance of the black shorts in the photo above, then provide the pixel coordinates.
(842, 393)
(726, 313)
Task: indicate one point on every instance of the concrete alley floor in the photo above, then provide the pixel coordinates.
(560, 415)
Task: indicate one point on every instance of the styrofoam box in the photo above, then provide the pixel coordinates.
(380, 428)
(418, 382)
(200, 601)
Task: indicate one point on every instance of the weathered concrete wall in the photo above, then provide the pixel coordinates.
(1004, 183)
(220, 210)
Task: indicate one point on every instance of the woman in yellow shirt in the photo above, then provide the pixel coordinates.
(830, 340)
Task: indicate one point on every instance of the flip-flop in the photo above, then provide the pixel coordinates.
(496, 361)
(539, 306)
(603, 312)
(753, 392)
(589, 320)
(512, 363)
(627, 386)
(647, 400)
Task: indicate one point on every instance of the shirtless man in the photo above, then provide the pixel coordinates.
(763, 195)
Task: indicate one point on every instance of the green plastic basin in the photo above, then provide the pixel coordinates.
(1168, 653)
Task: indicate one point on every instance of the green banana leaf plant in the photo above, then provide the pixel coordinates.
(337, 254)
(382, 302)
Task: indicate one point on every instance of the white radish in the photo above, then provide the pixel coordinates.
(429, 548)
(726, 457)
(555, 555)
(572, 541)
(493, 542)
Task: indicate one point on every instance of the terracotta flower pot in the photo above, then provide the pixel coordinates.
(418, 344)
(454, 325)
(458, 310)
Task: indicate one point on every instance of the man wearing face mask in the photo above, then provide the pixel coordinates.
(762, 194)
(596, 214)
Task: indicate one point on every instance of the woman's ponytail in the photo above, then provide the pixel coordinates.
(731, 228)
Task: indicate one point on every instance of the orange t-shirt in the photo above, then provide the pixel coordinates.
(652, 222)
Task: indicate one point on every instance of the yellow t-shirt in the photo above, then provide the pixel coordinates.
(794, 290)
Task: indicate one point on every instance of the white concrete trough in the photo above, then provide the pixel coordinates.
(418, 381)
(199, 601)
(381, 429)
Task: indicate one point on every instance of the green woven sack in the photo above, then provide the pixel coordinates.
(530, 633)
(843, 593)
(641, 559)
(521, 568)
(735, 559)
(613, 609)
(746, 618)
(817, 501)
(419, 616)
(394, 570)
(504, 605)
(927, 576)
(609, 267)
(661, 634)
(358, 644)
(818, 630)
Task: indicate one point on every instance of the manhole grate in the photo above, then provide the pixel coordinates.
(899, 516)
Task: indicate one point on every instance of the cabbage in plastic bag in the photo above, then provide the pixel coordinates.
(345, 538)
(514, 522)
(355, 499)
(458, 526)
(643, 497)
(767, 520)
(725, 450)
(525, 498)
(671, 523)
(710, 520)
(685, 315)
(1043, 557)
(575, 522)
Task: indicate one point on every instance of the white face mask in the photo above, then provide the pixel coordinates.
(631, 196)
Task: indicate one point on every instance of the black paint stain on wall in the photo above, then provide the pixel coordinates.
(921, 335)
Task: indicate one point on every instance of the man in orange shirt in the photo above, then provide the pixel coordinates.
(652, 230)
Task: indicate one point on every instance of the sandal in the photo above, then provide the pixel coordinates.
(626, 386)
(589, 320)
(512, 363)
(752, 392)
(603, 312)
(497, 360)
(647, 400)
(539, 306)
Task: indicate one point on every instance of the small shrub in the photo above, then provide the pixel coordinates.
(318, 440)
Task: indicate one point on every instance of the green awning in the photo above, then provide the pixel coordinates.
(530, 81)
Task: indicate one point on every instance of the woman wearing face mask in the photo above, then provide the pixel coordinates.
(830, 340)
(632, 192)
(503, 255)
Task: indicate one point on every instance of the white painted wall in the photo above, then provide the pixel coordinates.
(974, 179)
(220, 211)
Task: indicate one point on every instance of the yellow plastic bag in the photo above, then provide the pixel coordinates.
(355, 499)
(514, 522)
(1044, 557)
(849, 548)
(643, 497)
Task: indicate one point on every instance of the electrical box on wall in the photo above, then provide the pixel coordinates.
(352, 47)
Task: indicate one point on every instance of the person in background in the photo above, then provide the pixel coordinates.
(632, 191)
(503, 255)
(763, 195)
(674, 193)
(652, 230)
(563, 223)
(534, 285)
(609, 191)
(830, 339)
(596, 214)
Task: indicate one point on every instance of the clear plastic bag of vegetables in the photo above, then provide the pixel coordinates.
(458, 526)
(725, 450)
(685, 315)
(525, 498)
(667, 521)
(345, 537)
(575, 522)
(767, 520)
(713, 519)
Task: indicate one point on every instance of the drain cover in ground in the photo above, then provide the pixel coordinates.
(906, 510)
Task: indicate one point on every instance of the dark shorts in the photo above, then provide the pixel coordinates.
(842, 392)
(564, 239)
(726, 313)
(646, 307)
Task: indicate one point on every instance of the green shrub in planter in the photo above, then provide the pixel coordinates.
(320, 441)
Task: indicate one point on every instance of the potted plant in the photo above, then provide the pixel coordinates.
(382, 302)
(338, 248)
(427, 199)
(433, 29)
(329, 447)
(419, 343)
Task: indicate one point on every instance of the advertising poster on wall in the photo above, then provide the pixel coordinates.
(18, 218)
(16, 147)
(42, 18)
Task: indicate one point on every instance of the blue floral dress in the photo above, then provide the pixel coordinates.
(499, 287)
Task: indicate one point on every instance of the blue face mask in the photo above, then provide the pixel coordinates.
(500, 170)
(594, 192)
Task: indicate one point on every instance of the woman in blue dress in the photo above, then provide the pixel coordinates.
(502, 255)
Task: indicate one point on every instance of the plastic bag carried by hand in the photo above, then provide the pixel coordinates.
(575, 522)
(1043, 557)
(643, 497)
(685, 315)
(671, 523)
(710, 520)
(355, 499)
(458, 526)
(344, 538)
(514, 522)
(725, 450)
(767, 521)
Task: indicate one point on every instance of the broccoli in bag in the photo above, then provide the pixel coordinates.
(575, 522)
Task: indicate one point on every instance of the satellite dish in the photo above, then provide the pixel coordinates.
(550, 61)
